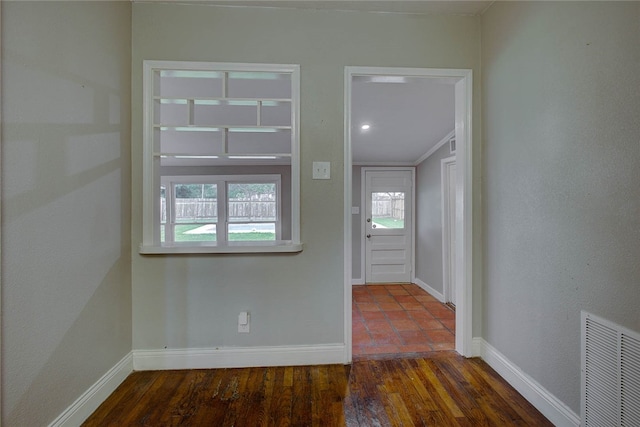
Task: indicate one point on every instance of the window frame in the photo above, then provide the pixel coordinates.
(151, 180)
(222, 182)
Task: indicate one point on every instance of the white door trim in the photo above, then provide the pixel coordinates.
(363, 201)
(464, 196)
(446, 218)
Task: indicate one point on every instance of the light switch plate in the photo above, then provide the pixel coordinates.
(321, 170)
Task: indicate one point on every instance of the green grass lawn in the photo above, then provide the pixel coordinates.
(181, 235)
(389, 222)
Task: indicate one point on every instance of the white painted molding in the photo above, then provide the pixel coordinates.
(549, 405)
(89, 401)
(357, 282)
(437, 295)
(237, 357)
(436, 147)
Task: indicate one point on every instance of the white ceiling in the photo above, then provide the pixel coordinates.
(451, 7)
(406, 118)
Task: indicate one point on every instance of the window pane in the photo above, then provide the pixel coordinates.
(196, 203)
(252, 202)
(195, 232)
(387, 209)
(252, 231)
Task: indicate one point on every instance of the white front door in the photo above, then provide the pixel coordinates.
(388, 225)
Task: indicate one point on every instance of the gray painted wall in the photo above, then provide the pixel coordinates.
(193, 301)
(561, 101)
(66, 284)
(429, 219)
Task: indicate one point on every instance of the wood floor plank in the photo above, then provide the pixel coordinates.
(440, 389)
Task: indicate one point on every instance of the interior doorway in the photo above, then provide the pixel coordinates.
(461, 81)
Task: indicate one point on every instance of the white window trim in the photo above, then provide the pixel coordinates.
(150, 177)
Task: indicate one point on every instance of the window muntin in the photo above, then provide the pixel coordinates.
(202, 117)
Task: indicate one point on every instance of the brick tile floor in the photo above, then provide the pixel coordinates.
(399, 318)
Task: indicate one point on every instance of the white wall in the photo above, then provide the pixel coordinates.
(561, 101)
(193, 301)
(66, 292)
(429, 219)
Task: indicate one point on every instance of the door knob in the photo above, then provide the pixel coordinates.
(368, 236)
(368, 219)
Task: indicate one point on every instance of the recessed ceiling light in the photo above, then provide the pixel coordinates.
(365, 127)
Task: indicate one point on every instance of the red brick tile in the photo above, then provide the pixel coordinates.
(380, 326)
(406, 298)
(363, 298)
(413, 337)
(412, 306)
(390, 306)
(373, 315)
(377, 290)
(429, 324)
(426, 298)
(415, 290)
(415, 348)
(405, 325)
(361, 338)
(358, 325)
(443, 314)
(368, 306)
(384, 298)
(383, 349)
(444, 345)
(381, 339)
(422, 314)
(395, 315)
(440, 335)
(397, 290)
(449, 324)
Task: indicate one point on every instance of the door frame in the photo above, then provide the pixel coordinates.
(463, 81)
(445, 164)
(363, 196)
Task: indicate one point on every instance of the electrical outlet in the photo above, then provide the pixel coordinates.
(244, 322)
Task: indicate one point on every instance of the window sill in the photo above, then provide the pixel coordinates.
(281, 246)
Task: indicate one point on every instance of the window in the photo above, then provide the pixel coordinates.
(221, 163)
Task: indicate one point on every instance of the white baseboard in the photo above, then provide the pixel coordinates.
(89, 401)
(549, 405)
(237, 357)
(437, 295)
(357, 282)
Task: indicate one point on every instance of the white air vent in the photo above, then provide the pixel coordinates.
(610, 374)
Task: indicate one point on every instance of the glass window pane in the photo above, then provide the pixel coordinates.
(196, 203)
(252, 231)
(195, 232)
(252, 202)
(387, 209)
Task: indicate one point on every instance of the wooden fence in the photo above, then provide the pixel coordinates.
(202, 209)
(388, 207)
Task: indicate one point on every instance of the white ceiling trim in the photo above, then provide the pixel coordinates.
(435, 148)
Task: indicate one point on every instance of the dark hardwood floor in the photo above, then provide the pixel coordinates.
(443, 389)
